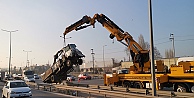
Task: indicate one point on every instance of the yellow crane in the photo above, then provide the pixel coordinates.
(180, 77)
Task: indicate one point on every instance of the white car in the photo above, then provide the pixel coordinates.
(16, 88)
(36, 76)
(29, 79)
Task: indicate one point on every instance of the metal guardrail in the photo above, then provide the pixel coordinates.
(144, 91)
(101, 92)
(109, 90)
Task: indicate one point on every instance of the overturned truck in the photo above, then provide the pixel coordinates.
(64, 60)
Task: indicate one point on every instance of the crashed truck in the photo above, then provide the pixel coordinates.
(64, 60)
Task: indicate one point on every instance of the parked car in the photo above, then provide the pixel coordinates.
(16, 88)
(36, 76)
(29, 79)
(84, 76)
(8, 77)
(70, 77)
(17, 78)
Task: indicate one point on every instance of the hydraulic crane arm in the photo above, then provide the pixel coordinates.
(78, 25)
(137, 53)
(115, 30)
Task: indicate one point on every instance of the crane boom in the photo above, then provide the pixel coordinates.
(138, 54)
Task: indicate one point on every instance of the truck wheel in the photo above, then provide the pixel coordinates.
(182, 88)
(127, 84)
(69, 63)
(138, 85)
(80, 61)
(53, 78)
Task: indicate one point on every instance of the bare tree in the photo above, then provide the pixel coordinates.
(127, 51)
(146, 46)
(168, 53)
(141, 41)
(157, 54)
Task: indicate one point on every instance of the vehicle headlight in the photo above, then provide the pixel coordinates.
(29, 91)
(12, 92)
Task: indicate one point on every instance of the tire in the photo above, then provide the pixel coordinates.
(181, 88)
(68, 63)
(138, 85)
(80, 61)
(53, 78)
(127, 84)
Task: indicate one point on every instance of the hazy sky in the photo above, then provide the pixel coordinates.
(41, 22)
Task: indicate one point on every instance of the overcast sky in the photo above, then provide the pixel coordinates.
(41, 22)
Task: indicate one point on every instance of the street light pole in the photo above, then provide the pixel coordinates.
(31, 62)
(103, 57)
(27, 63)
(10, 47)
(93, 58)
(152, 49)
(172, 39)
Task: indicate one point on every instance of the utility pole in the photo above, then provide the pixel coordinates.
(103, 57)
(10, 47)
(27, 63)
(152, 49)
(93, 58)
(172, 39)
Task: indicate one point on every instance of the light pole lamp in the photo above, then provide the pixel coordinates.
(10, 47)
(103, 57)
(27, 63)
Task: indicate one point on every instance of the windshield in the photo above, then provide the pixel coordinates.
(29, 72)
(30, 77)
(18, 84)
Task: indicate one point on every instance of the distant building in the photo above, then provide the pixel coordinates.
(167, 62)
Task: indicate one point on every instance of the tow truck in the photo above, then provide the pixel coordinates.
(180, 77)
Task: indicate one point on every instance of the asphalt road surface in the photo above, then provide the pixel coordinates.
(45, 94)
(42, 94)
(90, 82)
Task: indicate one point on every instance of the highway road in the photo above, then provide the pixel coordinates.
(42, 94)
(90, 82)
(45, 94)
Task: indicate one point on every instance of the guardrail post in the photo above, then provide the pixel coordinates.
(50, 88)
(127, 89)
(111, 88)
(44, 88)
(98, 87)
(77, 93)
(172, 94)
(38, 87)
(89, 95)
(104, 95)
(147, 92)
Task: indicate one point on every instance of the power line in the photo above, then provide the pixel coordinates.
(162, 42)
(184, 36)
(184, 40)
(111, 52)
(175, 40)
